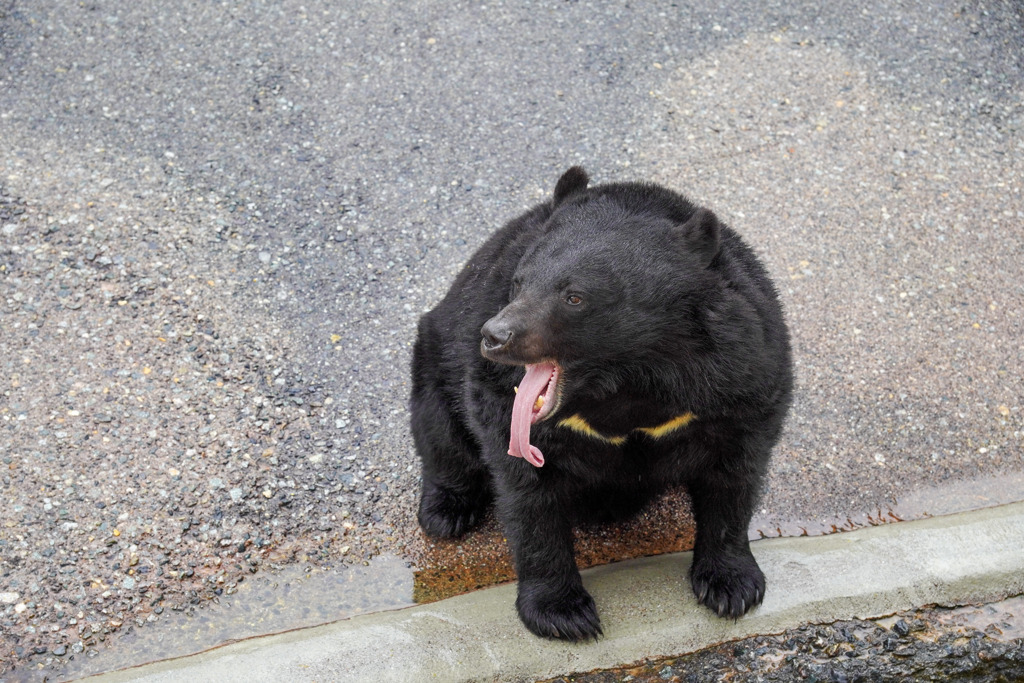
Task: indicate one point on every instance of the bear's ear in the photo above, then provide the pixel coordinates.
(572, 181)
(700, 235)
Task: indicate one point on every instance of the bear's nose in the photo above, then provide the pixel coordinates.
(495, 334)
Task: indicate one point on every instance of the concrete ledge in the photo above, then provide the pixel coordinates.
(647, 610)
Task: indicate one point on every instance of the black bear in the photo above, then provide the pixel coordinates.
(655, 353)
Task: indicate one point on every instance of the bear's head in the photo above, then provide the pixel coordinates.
(610, 288)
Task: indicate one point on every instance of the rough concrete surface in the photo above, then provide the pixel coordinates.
(219, 223)
(647, 609)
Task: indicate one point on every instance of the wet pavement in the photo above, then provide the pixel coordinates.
(979, 644)
(219, 224)
(296, 597)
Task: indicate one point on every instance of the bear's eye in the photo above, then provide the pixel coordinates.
(574, 299)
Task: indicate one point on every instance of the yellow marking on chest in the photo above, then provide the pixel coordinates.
(578, 424)
(666, 428)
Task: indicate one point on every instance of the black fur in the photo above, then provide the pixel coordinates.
(674, 315)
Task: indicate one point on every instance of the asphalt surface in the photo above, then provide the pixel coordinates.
(220, 222)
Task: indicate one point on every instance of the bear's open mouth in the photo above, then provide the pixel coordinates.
(537, 398)
(549, 395)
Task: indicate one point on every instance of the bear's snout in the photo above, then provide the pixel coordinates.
(510, 337)
(496, 334)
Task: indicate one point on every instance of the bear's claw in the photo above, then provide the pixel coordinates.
(566, 613)
(731, 587)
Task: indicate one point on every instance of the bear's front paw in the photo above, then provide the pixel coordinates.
(727, 584)
(554, 610)
(449, 515)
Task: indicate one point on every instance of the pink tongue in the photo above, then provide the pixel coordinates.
(533, 385)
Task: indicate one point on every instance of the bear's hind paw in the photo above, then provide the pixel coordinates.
(448, 515)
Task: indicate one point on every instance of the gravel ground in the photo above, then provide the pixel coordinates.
(893, 221)
(220, 222)
(979, 644)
